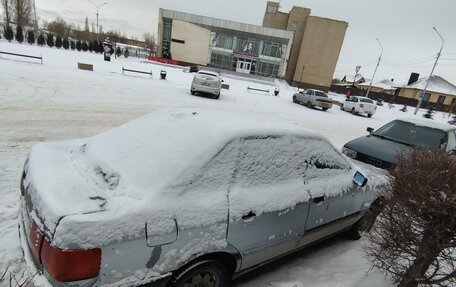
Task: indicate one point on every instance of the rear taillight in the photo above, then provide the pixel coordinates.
(70, 264)
(361, 105)
(35, 240)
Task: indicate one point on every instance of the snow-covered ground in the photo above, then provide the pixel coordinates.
(56, 101)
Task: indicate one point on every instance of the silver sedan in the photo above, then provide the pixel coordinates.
(313, 98)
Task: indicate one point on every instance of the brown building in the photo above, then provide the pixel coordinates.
(316, 44)
(295, 46)
(440, 93)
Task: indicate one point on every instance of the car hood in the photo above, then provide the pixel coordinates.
(378, 148)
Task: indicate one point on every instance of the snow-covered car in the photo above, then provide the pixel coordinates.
(207, 82)
(183, 197)
(358, 105)
(313, 98)
(381, 147)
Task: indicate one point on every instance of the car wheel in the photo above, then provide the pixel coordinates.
(367, 221)
(354, 233)
(208, 273)
(294, 100)
(369, 115)
(353, 111)
(309, 105)
(192, 92)
(342, 107)
(324, 109)
(217, 96)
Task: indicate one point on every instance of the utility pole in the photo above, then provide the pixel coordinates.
(375, 71)
(36, 21)
(356, 74)
(98, 7)
(423, 94)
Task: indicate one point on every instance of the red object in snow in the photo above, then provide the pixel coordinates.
(162, 60)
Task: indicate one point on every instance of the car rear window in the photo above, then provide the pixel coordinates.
(366, 101)
(320, 94)
(207, 74)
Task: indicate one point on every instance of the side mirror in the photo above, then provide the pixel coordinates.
(370, 130)
(359, 179)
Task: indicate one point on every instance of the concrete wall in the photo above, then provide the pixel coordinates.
(297, 21)
(195, 50)
(320, 49)
(277, 20)
(160, 32)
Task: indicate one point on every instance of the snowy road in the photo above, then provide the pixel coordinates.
(56, 101)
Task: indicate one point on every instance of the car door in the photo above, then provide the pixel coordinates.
(331, 208)
(268, 205)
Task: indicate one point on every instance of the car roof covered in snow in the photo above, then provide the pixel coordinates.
(429, 123)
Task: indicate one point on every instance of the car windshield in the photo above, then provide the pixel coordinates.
(321, 94)
(412, 135)
(363, 100)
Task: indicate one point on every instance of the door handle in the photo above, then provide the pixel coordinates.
(249, 217)
(319, 199)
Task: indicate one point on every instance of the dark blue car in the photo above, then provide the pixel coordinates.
(380, 148)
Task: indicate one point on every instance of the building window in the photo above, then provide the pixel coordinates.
(294, 26)
(222, 40)
(271, 9)
(441, 99)
(272, 50)
(222, 61)
(426, 97)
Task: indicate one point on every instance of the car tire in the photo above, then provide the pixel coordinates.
(217, 96)
(353, 111)
(324, 109)
(369, 115)
(295, 100)
(354, 233)
(342, 107)
(309, 105)
(202, 273)
(192, 92)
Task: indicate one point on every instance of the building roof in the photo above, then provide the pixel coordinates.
(436, 84)
(385, 85)
(214, 24)
(349, 78)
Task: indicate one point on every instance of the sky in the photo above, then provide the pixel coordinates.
(403, 27)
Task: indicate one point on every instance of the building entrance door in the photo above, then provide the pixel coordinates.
(244, 66)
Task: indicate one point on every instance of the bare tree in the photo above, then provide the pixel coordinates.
(7, 10)
(150, 42)
(23, 12)
(58, 26)
(414, 239)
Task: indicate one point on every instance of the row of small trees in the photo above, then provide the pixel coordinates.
(51, 41)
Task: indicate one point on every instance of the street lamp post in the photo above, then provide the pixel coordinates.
(375, 71)
(98, 7)
(423, 94)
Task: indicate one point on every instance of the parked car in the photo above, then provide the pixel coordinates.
(206, 82)
(358, 104)
(381, 147)
(313, 98)
(183, 196)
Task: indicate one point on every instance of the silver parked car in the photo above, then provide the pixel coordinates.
(187, 197)
(206, 82)
(313, 98)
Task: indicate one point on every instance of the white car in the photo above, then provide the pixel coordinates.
(313, 98)
(207, 82)
(357, 105)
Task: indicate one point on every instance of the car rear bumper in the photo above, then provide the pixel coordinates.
(205, 89)
(39, 276)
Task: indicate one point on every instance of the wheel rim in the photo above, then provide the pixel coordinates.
(202, 278)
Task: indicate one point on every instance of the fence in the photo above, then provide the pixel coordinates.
(23, 55)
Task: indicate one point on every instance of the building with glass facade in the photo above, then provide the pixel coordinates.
(294, 46)
(224, 44)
